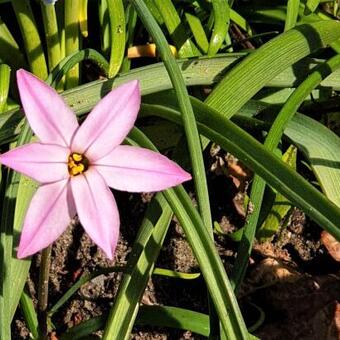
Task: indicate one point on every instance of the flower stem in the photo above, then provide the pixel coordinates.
(43, 291)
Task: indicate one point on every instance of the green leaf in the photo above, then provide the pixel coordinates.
(206, 254)
(188, 118)
(73, 59)
(140, 265)
(277, 174)
(5, 72)
(201, 71)
(30, 35)
(118, 35)
(198, 32)
(174, 274)
(83, 279)
(161, 316)
(221, 12)
(9, 51)
(20, 268)
(321, 147)
(179, 318)
(186, 48)
(257, 69)
(240, 21)
(189, 122)
(271, 142)
(312, 5)
(10, 268)
(72, 38)
(31, 318)
(281, 206)
(52, 34)
(292, 13)
(104, 26)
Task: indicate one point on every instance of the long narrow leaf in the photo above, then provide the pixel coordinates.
(30, 315)
(10, 52)
(52, 34)
(7, 227)
(206, 254)
(72, 38)
(30, 34)
(201, 71)
(255, 156)
(272, 140)
(162, 316)
(141, 261)
(186, 48)
(292, 13)
(189, 122)
(221, 12)
(256, 70)
(118, 33)
(198, 32)
(5, 72)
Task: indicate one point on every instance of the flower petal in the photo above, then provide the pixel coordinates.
(44, 163)
(97, 210)
(48, 215)
(136, 169)
(47, 113)
(109, 122)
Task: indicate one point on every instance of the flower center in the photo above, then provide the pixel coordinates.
(77, 164)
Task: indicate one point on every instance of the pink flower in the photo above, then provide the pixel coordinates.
(76, 165)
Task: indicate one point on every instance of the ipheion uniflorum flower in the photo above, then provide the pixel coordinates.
(76, 165)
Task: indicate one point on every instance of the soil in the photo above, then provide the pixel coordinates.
(290, 290)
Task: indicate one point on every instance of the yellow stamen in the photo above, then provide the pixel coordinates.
(77, 157)
(77, 164)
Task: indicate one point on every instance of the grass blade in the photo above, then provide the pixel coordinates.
(20, 268)
(5, 72)
(292, 14)
(198, 32)
(281, 207)
(179, 318)
(205, 252)
(174, 274)
(321, 147)
(188, 117)
(185, 47)
(162, 316)
(277, 174)
(104, 26)
(312, 5)
(118, 32)
(221, 12)
(141, 261)
(10, 221)
(52, 34)
(72, 44)
(75, 58)
(272, 140)
(10, 52)
(249, 76)
(31, 318)
(30, 35)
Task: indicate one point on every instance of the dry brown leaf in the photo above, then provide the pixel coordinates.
(331, 244)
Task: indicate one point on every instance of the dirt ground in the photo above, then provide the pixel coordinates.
(290, 291)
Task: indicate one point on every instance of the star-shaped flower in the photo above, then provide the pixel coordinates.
(76, 165)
